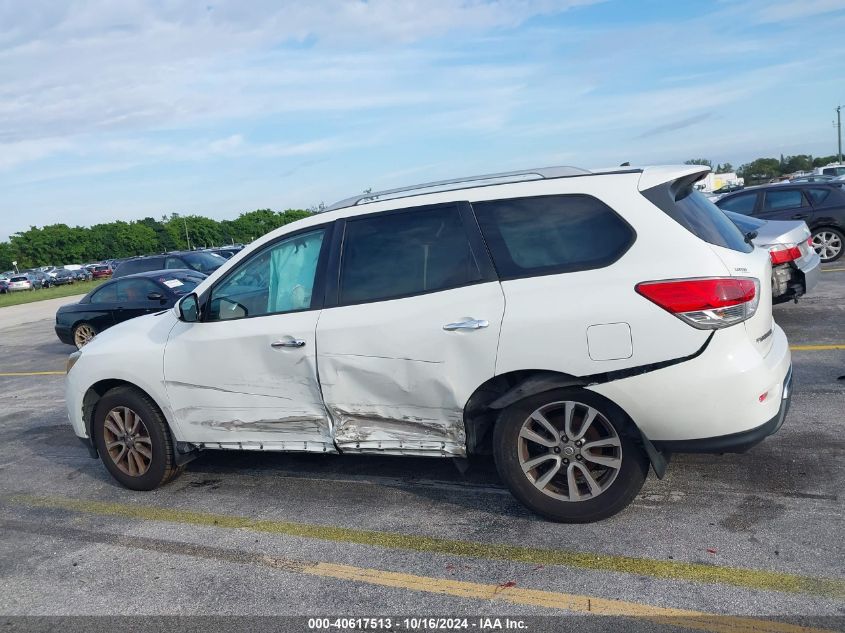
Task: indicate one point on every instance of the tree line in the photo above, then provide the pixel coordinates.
(59, 244)
(765, 169)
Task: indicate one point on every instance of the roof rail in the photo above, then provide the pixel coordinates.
(504, 178)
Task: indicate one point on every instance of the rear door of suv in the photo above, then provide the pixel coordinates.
(409, 329)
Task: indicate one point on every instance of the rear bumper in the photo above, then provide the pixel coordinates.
(729, 389)
(811, 268)
(735, 442)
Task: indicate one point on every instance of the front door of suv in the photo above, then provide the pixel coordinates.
(245, 375)
(413, 330)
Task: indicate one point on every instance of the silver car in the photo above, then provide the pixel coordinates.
(795, 264)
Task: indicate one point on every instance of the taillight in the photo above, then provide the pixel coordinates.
(783, 253)
(707, 304)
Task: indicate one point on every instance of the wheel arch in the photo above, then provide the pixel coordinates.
(484, 406)
(100, 388)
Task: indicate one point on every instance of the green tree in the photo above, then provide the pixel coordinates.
(799, 162)
(821, 161)
(699, 161)
(760, 170)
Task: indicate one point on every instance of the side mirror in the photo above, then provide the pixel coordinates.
(155, 296)
(188, 308)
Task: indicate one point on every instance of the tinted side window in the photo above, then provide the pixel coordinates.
(818, 196)
(106, 294)
(743, 204)
(787, 199)
(400, 254)
(278, 279)
(175, 262)
(135, 290)
(552, 234)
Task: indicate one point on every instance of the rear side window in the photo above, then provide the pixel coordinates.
(552, 234)
(786, 199)
(693, 211)
(743, 204)
(818, 196)
(401, 254)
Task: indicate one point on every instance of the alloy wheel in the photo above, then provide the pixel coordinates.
(128, 441)
(827, 244)
(83, 334)
(569, 451)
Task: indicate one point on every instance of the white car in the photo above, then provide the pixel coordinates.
(580, 326)
(19, 282)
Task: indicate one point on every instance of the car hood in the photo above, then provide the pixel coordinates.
(150, 330)
(782, 232)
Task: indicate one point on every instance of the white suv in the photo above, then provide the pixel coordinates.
(578, 325)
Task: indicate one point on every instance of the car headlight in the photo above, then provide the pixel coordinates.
(71, 360)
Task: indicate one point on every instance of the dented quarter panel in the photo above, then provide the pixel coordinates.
(227, 386)
(395, 381)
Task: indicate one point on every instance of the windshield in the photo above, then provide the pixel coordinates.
(203, 262)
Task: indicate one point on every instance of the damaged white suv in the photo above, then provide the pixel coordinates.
(580, 326)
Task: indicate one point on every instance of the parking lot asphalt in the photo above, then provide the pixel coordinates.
(755, 535)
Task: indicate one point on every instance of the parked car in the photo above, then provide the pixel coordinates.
(820, 205)
(37, 278)
(379, 326)
(100, 271)
(61, 277)
(199, 261)
(4, 286)
(19, 282)
(796, 267)
(831, 170)
(226, 252)
(82, 274)
(119, 300)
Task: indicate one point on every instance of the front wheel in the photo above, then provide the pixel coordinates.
(83, 333)
(828, 244)
(133, 439)
(565, 455)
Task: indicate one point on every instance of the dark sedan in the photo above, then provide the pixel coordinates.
(820, 205)
(63, 277)
(122, 299)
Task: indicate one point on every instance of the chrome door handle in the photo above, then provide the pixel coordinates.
(468, 324)
(293, 342)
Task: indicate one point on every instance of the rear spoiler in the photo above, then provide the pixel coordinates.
(683, 175)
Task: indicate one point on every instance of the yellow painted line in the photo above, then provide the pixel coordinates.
(32, 373)
(815, 348)
(832, 270)
(662, 569)
(509, 593)
(697, 620)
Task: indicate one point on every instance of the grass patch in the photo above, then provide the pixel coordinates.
(27, 296)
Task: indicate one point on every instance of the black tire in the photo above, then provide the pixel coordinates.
(835, 232)
(620, 491)
(162, 467)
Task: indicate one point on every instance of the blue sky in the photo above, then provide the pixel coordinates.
(121, 110)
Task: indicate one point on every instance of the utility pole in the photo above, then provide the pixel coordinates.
(187, 239)
(839, 130)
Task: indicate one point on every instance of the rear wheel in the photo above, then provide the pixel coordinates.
(828, 243)
(565, 455)
(133, 439)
